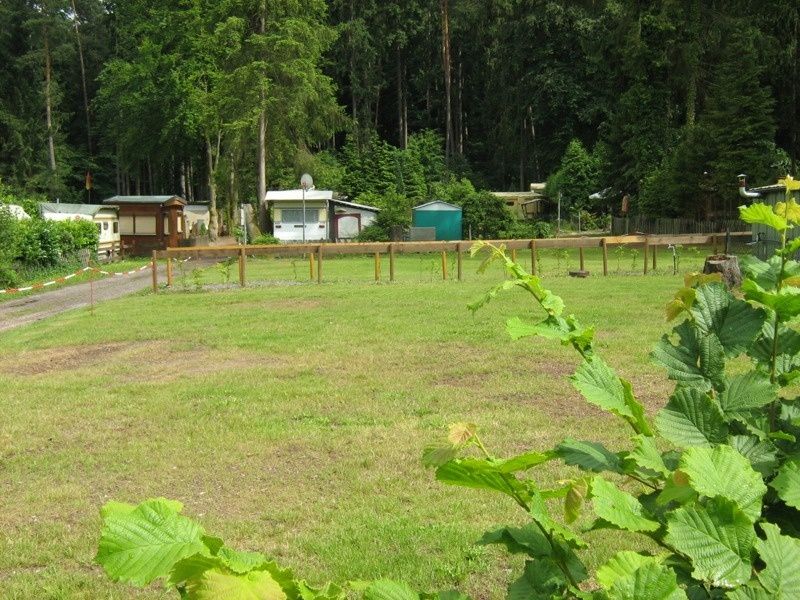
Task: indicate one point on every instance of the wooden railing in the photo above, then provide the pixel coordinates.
(317, 252)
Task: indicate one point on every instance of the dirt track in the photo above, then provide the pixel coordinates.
(28, 309)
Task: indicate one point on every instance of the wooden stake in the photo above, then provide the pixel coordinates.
(319, 263)
(580, 256)
(311, 266)
(169, 272)
(459, 262)
(444, 265)
(377, 266)
(241, 266)
(605, 256)
(533, 257)
(646, 248)
(154, 266)
(514, 254)
(655, 253)
(391, 262)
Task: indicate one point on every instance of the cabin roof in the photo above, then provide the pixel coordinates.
(143, 200)
(355, 205)
(295, 195)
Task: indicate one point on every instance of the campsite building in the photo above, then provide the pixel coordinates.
(326, 218)
(766, 239)
(148, 223)
(436, 220)
(105, 216)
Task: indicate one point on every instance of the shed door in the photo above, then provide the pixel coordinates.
(348, 225)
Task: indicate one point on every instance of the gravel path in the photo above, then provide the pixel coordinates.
(28, 309)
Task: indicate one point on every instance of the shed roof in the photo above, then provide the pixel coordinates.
(775, 187)
(354, 205)
(196, 208)
(294, 195)
(143, 200)
(66, 208)
(437, 205)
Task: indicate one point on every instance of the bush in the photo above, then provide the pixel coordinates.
(373, 233)
(524, 230)
(76, 234)
(265, 239)
(8, 277)
(38, 243)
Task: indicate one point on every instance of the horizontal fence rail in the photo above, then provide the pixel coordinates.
(317, 252)
(666, 226)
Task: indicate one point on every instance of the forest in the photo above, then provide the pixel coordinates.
(394, 101)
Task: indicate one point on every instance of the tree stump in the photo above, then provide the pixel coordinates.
(728, 266)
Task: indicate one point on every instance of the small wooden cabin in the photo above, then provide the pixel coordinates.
(148, 223)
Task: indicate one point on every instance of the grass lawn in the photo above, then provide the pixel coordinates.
(291, 419)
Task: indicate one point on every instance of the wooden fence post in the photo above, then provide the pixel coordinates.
(580, 256)
(444, 265)
(533, 257)
(241, 266)
(655, 253)
(311, 266)
(459, 261)
(605, 256)
(377, 266)
(391, 262)
(319, 263)
(169, 271)
(514, 254)
(154, 266)
(646, 248)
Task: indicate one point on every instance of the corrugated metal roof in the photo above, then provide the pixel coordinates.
(437, 204)
(775, 187)
(142, 199)
(294, 195)
(354, 205)
(66, 208)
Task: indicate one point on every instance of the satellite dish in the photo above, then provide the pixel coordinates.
(306, 182)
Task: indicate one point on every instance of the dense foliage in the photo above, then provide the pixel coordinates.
(220, 100)
(712, 483)
(36, 243)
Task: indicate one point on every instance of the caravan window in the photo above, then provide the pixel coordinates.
(295, 215)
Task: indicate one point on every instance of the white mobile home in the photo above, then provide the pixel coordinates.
(105, 217)
(326, 219)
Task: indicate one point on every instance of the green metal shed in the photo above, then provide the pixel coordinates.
(767, 240)
(443, 216)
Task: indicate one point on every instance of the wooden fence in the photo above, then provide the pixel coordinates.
(317, 252)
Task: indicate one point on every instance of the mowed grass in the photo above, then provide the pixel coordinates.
(291, 419)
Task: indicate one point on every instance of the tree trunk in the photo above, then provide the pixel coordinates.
(212, 158)
(693, 61)
(262, 128)
(444, 6)
(83, 82)
(353, 76)
(48, 99)
(184, 195)
(233, 193)
(728, 266)
(401, 141)
(460, 107)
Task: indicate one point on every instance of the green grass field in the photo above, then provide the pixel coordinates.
(291, 419)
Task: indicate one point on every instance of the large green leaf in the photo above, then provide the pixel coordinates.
(386, 589)
(528, 539)
(215, 584)
(746, 392)
(541, 580)
(480, 474)
(522, 462)
(650, 581)
(717, 538)
(143, 544)
(712, 360)
(787, 484)
(735, 322)
(622, 564)
(598, 383)
(723, 472)
(785, 303)
(788, 347)
(762, 454)
(681, 360)
(647, 457)
(691, 418)
(590, 456)
(762, 214)
(781, 555)
(764, 273)
(751, 591)
(619, 508)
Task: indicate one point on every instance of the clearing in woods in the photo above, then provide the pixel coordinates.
(291, 420)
